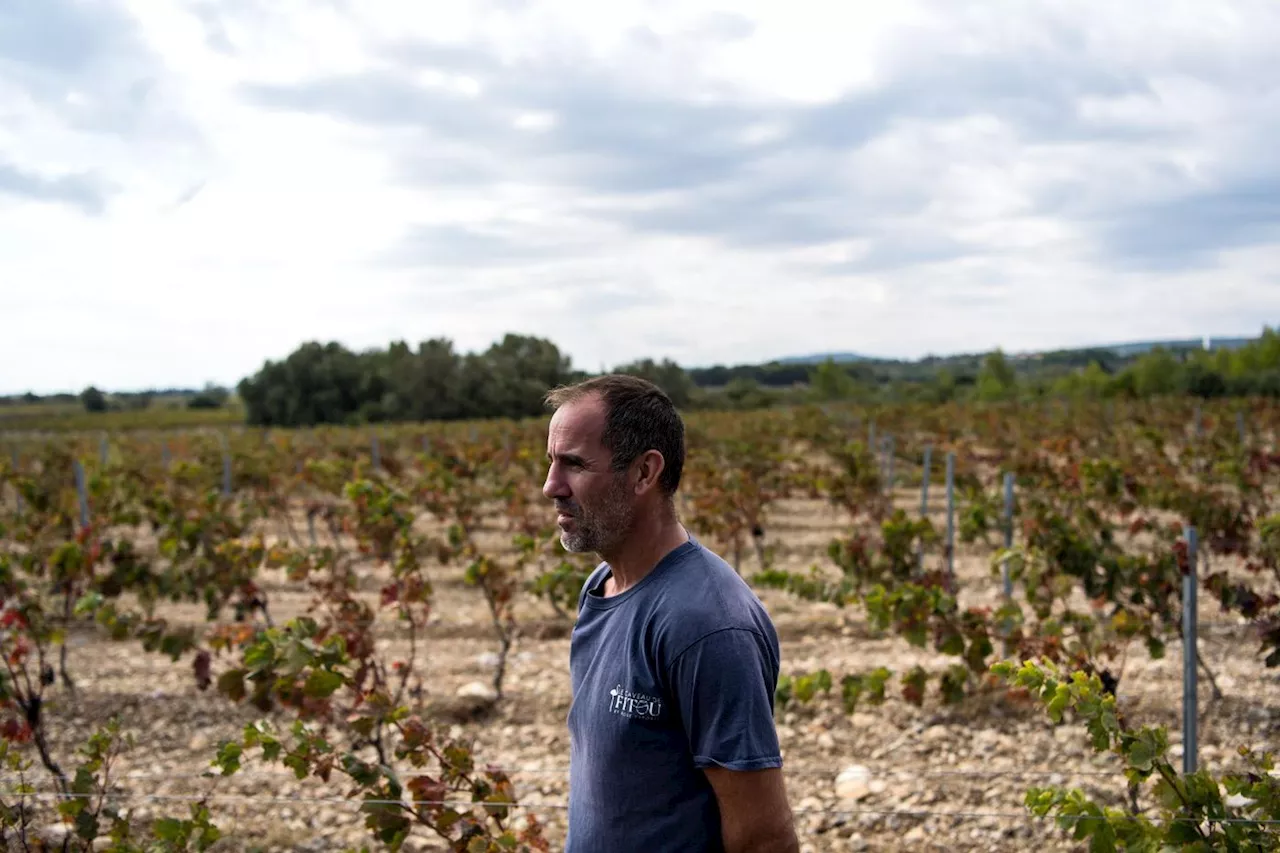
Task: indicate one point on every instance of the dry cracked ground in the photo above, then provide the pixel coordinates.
(886, 778)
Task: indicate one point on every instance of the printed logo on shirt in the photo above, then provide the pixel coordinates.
(634, 705)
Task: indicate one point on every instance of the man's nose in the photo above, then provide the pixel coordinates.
(554, 487)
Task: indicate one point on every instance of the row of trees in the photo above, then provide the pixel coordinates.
(1250, 370)
(328, 383)
(95, 400)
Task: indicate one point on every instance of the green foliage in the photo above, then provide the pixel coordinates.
(670, 377)
(290, 665)
(979, 515)
(1093, 382)
(858, 484)
(441, 790)
(804, 687)
(1249, 370)
(1156, 374)
(942, 388)
(328, 383)
(854, 687)
(560, 583)
(745, 393)
(93, 400)
(84, 802)
(831, 381)
(996, 379)
(810, 586)
(211, 397)
(920, 613)
(1191, 811)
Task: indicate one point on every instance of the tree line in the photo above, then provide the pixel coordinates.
(328, 383)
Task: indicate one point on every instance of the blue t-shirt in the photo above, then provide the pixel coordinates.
(676, 674)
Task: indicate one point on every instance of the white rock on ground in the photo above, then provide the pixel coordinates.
(477, 690)
(853, 783)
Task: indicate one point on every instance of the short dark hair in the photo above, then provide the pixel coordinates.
(639, 416)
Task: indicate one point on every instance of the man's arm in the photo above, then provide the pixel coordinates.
(754, 814)
(723, 685)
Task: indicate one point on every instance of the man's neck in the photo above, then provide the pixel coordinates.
(652, 539)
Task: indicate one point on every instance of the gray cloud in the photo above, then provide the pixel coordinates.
(56, 38)
(80, 75)
(53, 48)
(603, 137)
(685, 161)
(1192, 228)
(83, 191)
(216, 34)
(670, 151)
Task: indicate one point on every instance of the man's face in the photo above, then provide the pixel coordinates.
(595, 505)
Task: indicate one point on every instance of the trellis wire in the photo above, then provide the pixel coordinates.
(563, 771)
(563, 806)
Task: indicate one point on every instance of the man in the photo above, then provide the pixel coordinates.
(673, 659)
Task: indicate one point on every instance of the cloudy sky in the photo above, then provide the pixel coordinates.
(189, 188)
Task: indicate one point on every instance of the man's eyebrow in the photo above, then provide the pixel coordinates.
(571, 458)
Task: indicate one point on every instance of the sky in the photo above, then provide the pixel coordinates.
(190, 188)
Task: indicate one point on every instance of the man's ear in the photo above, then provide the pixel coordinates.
(649, 467)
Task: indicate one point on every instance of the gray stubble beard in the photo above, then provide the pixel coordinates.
(605, 527)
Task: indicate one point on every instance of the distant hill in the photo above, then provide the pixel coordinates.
(818, 358)
(1182, 344)
(1126, 350)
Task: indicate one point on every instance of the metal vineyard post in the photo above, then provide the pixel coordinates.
(951, 518)
(1008, 531)
(1189, 673)
(82, 494)
(924, 499)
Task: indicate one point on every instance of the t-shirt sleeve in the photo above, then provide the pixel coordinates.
(723, 685)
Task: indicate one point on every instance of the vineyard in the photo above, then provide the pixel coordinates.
(332, 638)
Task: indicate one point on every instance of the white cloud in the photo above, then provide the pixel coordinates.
(189, 189)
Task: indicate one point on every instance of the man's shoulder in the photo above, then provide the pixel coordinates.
(706, 595)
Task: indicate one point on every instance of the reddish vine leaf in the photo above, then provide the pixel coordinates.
(201, 667)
